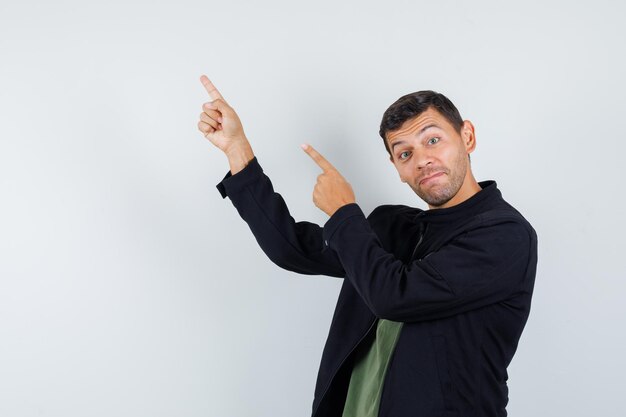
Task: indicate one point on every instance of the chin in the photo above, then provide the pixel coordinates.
(437, 200)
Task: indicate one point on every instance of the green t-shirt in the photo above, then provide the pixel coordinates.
(369, 370)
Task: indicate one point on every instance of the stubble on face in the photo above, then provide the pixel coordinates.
(440, 191)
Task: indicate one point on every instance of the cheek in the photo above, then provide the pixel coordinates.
(403, 172)
(448, 156)
(408, 172)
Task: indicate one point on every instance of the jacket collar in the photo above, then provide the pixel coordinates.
(486, 197)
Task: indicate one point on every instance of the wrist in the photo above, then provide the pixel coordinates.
(239, 156)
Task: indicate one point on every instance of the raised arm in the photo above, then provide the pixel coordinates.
(294, 246)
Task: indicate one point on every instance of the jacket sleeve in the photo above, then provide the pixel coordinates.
(484, 265)
(294, 246)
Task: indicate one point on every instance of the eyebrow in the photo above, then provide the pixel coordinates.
(422, 130)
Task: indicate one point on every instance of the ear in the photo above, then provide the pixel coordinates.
(468, 134)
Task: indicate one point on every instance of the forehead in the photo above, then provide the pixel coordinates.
(413, 126)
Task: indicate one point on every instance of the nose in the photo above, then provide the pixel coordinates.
(423, 158)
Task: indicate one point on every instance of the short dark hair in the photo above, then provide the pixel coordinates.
(414, 104)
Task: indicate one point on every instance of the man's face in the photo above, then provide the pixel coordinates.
(432, 157)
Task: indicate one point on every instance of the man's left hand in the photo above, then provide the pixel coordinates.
(331, 191)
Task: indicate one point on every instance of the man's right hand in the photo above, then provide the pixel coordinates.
(218, 121)
(220, 124)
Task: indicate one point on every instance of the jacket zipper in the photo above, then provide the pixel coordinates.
(422, 233)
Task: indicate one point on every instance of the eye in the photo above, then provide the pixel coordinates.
(433, 140)
(401, 153)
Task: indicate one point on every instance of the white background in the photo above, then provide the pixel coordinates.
(129, 287)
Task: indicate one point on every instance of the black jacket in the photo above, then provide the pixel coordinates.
(460, 278)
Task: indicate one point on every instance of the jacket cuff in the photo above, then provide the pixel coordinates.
(338, 218)
(232, 184)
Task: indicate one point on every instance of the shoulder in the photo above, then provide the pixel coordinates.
(391, 221)
(506, 213)
(389, 212)
(502, 224)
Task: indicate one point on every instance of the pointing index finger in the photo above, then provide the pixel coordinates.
(210, 88)
(318, 158)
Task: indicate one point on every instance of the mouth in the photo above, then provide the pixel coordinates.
(430, 178)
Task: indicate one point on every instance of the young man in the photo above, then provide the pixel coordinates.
(433, 301)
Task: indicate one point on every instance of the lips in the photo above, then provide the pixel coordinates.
(431, 177)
